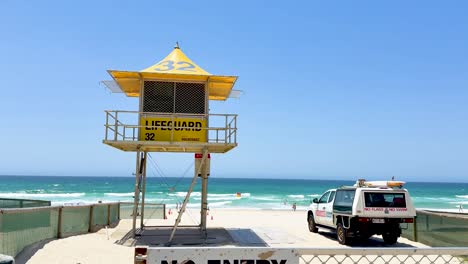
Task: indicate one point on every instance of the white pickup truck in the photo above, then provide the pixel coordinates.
(363, 210)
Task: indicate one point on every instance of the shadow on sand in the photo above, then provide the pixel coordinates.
(374, 241)
(191, 236)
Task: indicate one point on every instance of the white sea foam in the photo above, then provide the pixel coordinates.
(71, 202)
(272, 199)
(41, 195)
(216, 199)
(296, 196)
(313, 195)
(228, 195)
(462, 196)
(224, 196)
(183, 194)
(219, 204)
(154, 200)
(220, 194)
(212, 196)
(119, 194)
(461, 202)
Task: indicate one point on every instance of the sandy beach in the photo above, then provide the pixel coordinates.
(275, 228)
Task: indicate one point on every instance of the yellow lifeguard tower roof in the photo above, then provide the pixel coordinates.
(174, 67)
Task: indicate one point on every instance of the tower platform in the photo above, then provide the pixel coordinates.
(125, 131)
(156, 146)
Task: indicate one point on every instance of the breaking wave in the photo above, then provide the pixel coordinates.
(41, 195)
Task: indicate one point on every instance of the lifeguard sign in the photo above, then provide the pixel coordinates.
(162, 128)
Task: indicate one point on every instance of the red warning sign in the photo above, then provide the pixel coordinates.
(200, 156)
(205, 169)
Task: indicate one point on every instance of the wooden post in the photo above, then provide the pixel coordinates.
(108, 214)
(118, 211)
(428, 228)
(59, 224)
(415, 229)
(90, 228)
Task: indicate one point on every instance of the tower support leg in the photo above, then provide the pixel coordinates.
(143, 191)
(204, 203)
(136, 196)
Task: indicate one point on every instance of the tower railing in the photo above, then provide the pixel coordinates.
(122, 125)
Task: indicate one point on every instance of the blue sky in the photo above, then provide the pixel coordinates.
(332, 90)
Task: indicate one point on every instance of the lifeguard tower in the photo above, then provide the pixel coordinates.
(173, 116)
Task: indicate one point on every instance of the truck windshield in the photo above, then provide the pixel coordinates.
(381, 199)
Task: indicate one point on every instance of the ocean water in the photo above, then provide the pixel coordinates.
(276, 194)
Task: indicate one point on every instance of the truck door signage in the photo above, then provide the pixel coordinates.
(320, 213)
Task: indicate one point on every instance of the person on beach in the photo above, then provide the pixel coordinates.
(294, 206)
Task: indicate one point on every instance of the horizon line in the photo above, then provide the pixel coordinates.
(222, 177)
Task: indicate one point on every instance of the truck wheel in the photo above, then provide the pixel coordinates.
(311, 222)
(341, 234)
(389, 238)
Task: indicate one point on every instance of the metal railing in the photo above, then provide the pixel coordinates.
(125, 125)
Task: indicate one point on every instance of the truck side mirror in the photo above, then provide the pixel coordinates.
(315, 200)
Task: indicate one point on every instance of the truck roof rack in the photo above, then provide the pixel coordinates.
(377, 184)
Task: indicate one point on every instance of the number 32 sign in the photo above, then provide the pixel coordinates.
(168, 65)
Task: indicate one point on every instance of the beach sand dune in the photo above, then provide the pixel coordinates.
(246, 227)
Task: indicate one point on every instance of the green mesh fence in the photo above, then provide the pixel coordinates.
(75, 220)
(6, 203)
(20, 228)
(152, 211)
(440, 229)
(114, 213)
(99, 215)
